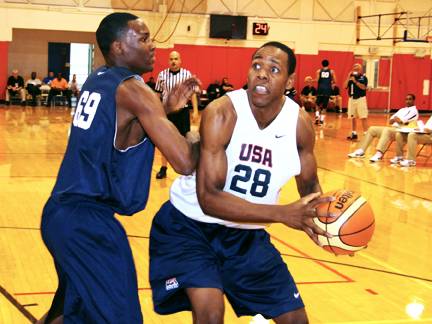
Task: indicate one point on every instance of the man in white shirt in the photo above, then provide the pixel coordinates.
(420, 135)
(403, 116)
(33, 87)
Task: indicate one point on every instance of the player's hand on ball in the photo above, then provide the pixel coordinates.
(304, 210)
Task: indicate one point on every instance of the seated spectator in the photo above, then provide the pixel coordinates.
(308, 94)
(226, 86)
(33, 87)
(291, 93)
(47, 80)
(413, 138)
(213, 90)
(73, 87)
(403, 116)
(151, 83)
(335, 101)
(15, 87)
(59, 86)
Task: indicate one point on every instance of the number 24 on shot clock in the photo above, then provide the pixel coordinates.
(260, 28)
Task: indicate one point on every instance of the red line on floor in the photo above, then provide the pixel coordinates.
(321, 282)
(371, 291)
(348, 279)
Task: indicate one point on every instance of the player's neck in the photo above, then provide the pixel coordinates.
(264, 116)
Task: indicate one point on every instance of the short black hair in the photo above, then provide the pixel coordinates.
(412, 95)
(111, 29)
(291, 56)
(325, 63)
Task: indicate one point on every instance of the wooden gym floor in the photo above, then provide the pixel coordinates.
(377, 285)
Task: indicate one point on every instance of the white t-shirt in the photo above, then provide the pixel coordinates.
(407, 115)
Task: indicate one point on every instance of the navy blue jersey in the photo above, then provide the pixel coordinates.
(92, 168)
(324, 82)
(353, 90)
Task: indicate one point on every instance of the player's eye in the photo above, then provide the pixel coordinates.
(256, 66)
(275, 69)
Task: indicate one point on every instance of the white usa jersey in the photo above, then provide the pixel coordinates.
(260, 162)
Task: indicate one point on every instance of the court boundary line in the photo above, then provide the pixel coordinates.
(17, 305)
(345, 277)
(359, 267)
(375, 184)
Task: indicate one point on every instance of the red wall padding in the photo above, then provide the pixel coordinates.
(408, 75)
(209, 63)
(215, 62)
(384, 72)
(3, 67)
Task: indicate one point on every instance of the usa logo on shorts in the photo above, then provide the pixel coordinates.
(171, 284)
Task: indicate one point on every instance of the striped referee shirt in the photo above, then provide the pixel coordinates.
(167, 79)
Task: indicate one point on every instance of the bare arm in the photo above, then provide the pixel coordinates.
(137, 99)
(217, 125)
(333, 75)
(307, 181)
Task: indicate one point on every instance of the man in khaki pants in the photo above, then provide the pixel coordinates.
(413, 139)
(403, 116)
(356, 84)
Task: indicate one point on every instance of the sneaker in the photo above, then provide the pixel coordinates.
(407, 163)
(162, 173)
(356, 154)
(396, 159)
(352, 137)
(376, 157)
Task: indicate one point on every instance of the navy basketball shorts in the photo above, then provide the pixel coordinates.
(244, 264)
(93, 259)
(322, 100)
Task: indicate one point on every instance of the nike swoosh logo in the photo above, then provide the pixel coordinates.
(99, 73)
(279, 136)
(296, 295)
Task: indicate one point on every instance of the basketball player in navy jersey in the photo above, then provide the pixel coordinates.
(107, 169)
(325, 77)
(209, 240)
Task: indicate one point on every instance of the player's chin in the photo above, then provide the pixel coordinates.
(260, 100)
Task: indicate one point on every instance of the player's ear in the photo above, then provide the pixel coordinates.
(290, 81)
(117, 48)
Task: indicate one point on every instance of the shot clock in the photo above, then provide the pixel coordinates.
(260, 28)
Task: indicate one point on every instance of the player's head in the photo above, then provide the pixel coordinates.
(325, 63)
(174, 61)
(271, 72)
(125, 40)
(357, 68)
(15, 72)
(308, 80)
(410, 100)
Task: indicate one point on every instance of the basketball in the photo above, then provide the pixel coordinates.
(353, 226)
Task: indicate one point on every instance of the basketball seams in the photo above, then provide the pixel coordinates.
(337, 225)
(341, 243)
(359, 231)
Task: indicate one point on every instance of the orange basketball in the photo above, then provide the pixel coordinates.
(353, 226)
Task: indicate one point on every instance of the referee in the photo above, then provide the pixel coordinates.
(166, 81)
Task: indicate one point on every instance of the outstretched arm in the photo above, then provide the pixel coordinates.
(137, 99)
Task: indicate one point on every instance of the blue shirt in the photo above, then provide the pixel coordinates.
(92, 168)
(353, 90)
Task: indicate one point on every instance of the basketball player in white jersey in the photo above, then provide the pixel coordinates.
(253, 142)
